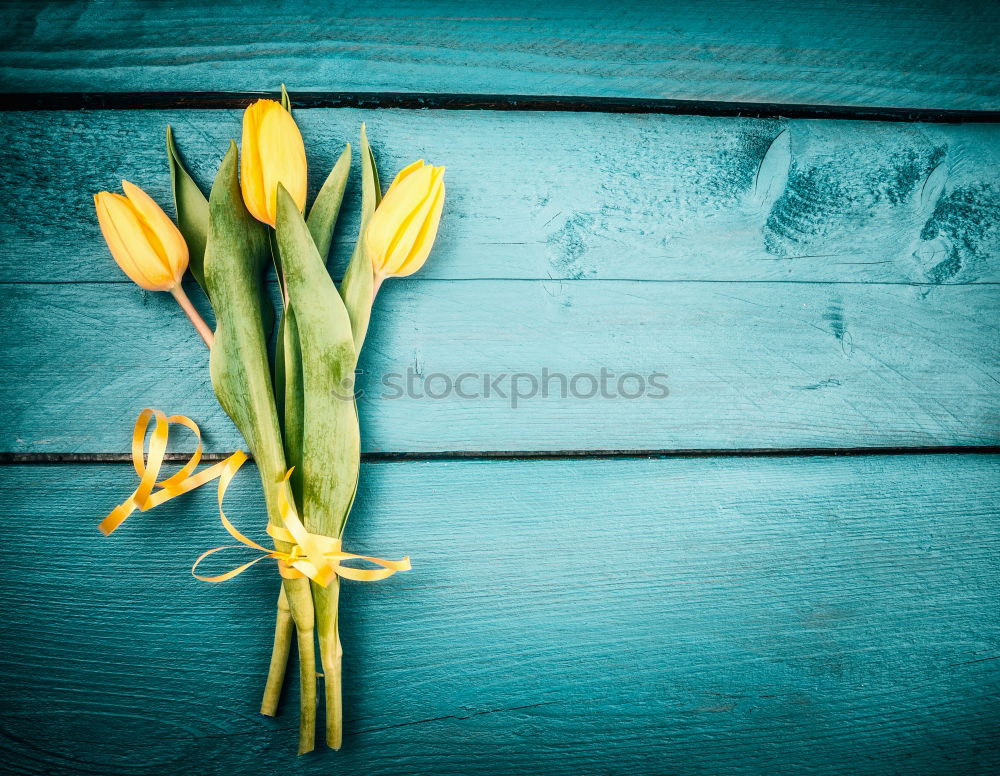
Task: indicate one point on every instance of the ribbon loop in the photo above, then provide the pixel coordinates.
(310, 555)
(147, 465)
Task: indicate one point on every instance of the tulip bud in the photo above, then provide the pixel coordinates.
(272, 153)
(143, 240)
(403, 227)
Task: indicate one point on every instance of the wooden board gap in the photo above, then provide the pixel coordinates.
(34, 101)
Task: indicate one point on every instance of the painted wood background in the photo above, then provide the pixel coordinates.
(800, 283)
(866, 53)
(762, 615)
(789, 564)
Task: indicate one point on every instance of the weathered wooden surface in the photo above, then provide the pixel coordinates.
(924, 54)
(802, 283)
(748, 365)
(562, 195)
(801, 615)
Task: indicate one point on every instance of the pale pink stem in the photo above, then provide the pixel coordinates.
(199, 323)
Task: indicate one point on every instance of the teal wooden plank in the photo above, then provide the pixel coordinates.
(782, 616)
(863, 52)
(839, 203)
(747, 365)
(560, 195)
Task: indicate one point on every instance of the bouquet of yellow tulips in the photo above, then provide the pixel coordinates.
(290, 391)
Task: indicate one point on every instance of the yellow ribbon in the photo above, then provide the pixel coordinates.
(311, 555)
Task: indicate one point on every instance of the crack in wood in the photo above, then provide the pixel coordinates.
(10, 458)
(32, 101)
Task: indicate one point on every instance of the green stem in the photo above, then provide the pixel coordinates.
(331, 654)
(189, 310)
(306, 640)
(283, 628)
(235, 256)
(300, 604)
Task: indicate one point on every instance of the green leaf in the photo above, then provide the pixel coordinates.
(357, 287)
(266, 313)
(293, 408)
(286, 103)
(331, 442)
(371, 191)
(279, 371)
(288, 356)
(236, 253)
(192, 210)
(325, 208)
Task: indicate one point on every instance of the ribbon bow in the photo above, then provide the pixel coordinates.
(310, 555)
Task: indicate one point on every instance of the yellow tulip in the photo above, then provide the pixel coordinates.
(147, 246)
(272, 153)
(402, 229)
(143, 240)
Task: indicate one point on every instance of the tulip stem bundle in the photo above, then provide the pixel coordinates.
(296, 411)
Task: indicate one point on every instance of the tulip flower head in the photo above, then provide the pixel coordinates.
(143, 240)
(272, 153)
(402, 229)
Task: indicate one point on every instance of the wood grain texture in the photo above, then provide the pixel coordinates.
(751, 365)
(803, 284)
(823, 616)
(568, 196)
(828, 284)
(928, 53)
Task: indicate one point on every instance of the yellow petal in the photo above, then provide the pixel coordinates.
(127, 239)
(403, 197)
(273, 153)
(402, 174)
(403, 244)
(172, 248)
(251, 180)
(284, 157)
(428, 232)
(117, 246)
